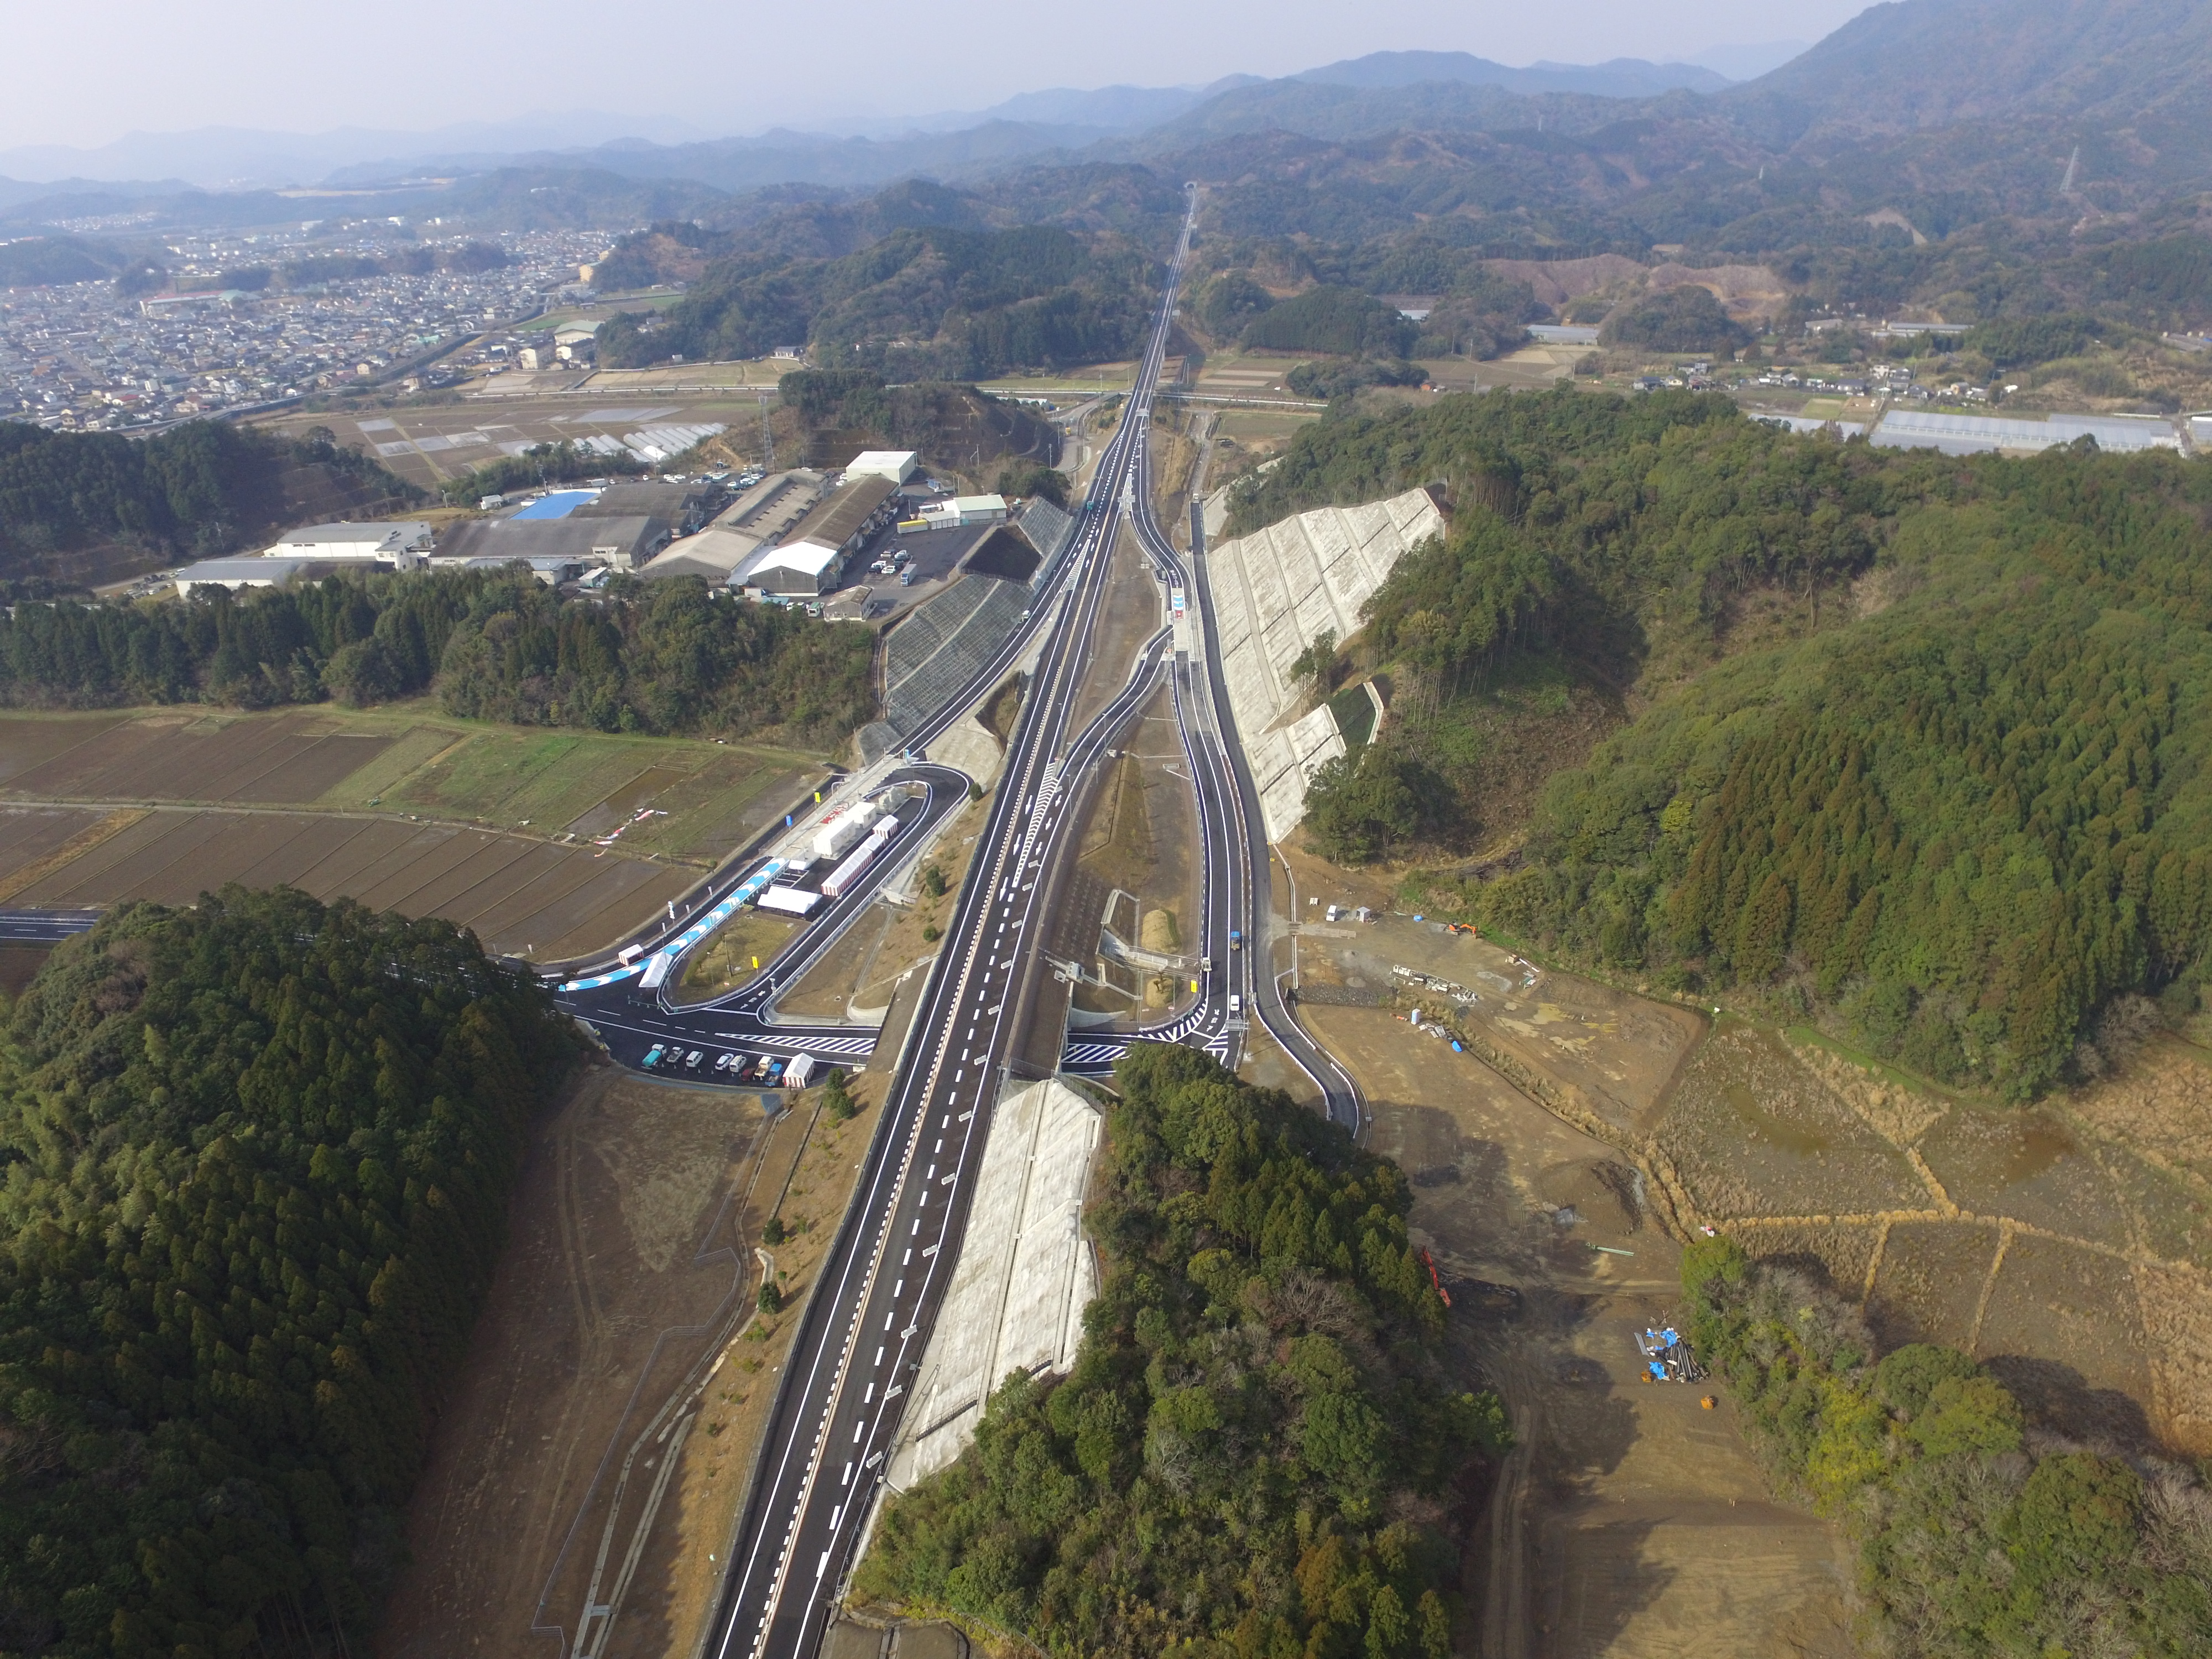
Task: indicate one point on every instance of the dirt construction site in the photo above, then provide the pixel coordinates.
(1577, 1132)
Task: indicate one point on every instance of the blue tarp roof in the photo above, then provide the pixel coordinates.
(558, 505)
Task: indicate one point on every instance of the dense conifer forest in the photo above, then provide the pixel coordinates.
(191, 491)
(1948, 796)
(254, 1163)
(665, 658)
(1258, 1450)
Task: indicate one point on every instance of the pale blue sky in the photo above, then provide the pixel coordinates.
(88, 71)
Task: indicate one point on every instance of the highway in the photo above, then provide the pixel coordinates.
(864, 1328)
(1229, 801)
(22, 927)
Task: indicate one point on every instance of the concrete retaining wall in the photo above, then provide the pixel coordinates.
(938, 649)
(1274, 591)
(1024, 1276)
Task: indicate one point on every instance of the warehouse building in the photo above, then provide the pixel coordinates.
(401, 544)
(621, 543)
(1974, 435)
(896, 465)
(265, 572)
(715, 555)
(811, 559)
(763, 516)
(964, 510)
(684, 507)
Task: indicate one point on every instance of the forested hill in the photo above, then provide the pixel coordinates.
(256, 1158)
(666, 657)
(923, 302)
(1258, 1449)
(1924, 745)
(198, 490)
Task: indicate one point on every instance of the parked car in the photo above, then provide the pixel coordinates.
(691, 1061)
(652, 1056)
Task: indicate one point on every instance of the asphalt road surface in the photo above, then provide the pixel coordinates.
(22, 926)
(864, 1328)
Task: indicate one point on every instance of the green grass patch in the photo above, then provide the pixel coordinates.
(734, 954)
(1354, 711)
(413, 749)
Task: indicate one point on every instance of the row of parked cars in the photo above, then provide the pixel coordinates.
(769, 1071)
(894, 563)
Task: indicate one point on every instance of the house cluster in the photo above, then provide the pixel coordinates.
(83, 357)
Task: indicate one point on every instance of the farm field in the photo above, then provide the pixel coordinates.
(548, 844)
(2068, 1245)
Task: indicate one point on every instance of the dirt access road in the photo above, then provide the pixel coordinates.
(1629, 1522)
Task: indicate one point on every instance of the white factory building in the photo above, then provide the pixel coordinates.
(896, 465)
(961, 511)
(402, 544)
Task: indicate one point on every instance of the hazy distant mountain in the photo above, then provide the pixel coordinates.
(2143, 64)
(740, 164)
(16, 191)
(1624, 77)
(1106, 109)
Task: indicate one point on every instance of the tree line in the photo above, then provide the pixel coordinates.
(1975, 1540)
(1956, 828)
(1254, 1450)
(192, 491)
(667, 658)
(257, 1159)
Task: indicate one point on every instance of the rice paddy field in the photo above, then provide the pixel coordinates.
(548, 844)
(2069, 1245)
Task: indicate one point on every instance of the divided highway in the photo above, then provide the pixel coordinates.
(864, 1328)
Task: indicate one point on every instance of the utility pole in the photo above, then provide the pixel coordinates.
(768, 439)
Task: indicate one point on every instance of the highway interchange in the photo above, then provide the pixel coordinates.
(866, 1326)
(867, 1323)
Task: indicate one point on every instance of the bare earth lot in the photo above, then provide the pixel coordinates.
(629, 1276)
(2069, 1246)
(1628, 1522)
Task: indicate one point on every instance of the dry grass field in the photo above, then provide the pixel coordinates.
(548, 844)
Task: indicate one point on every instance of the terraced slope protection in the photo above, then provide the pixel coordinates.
(1275, 592)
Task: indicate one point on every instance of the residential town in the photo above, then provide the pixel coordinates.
(83, 357)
